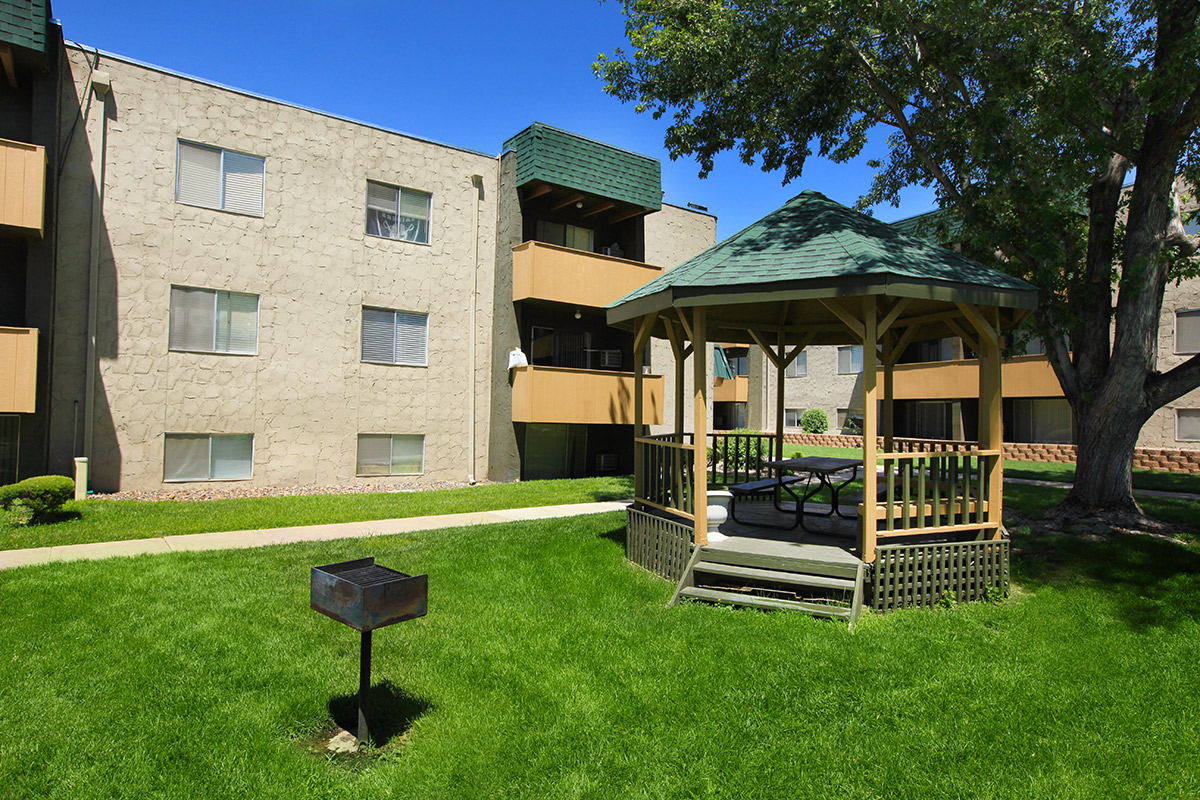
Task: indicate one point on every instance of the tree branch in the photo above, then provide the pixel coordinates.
(1163, 387)
(896, 107)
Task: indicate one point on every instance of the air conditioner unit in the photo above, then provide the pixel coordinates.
(610, 359)
(606, 462)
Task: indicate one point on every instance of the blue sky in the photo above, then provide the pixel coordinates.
(456, 71)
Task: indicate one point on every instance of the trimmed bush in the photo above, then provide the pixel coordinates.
(745, 453)
(42, 495)
(814, 420)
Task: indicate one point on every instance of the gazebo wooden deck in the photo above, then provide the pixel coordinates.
(816, 272)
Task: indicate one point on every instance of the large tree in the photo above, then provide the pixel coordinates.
(1028, 118)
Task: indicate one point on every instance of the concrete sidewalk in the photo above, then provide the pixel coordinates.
(233, 540)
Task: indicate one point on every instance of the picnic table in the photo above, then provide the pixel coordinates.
(820, 468)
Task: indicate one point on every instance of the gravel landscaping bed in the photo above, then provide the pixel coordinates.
(229, 492)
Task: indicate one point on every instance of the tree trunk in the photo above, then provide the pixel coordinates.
(1104, 466)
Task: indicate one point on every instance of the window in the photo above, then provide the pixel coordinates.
(850, 420)
(391, 454)
(222, 179)
(791, 417)
(1040, 420)
(208, 456)
(739, 360)
(850, 360)
(1187, 331)
(213, 321)
(565, 235)
(1187, 424)
(396, 213)
(799, 366)
(394, 337)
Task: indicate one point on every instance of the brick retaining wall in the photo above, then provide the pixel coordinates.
(1186, 461)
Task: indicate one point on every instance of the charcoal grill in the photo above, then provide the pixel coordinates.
(366, 596)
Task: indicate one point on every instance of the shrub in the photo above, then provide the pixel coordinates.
(41, 496)
(814, 420)
(742, 454)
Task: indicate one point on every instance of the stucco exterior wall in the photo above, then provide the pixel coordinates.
(673, 235)
(504, 463)
(306, 395)
(1159, 431)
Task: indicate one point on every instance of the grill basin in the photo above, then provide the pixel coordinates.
(366, 596)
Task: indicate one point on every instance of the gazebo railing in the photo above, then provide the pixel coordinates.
(737, 457)
(935, 492)
(666, 472)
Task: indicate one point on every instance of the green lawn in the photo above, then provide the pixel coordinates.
(114, 520)
(548, 667)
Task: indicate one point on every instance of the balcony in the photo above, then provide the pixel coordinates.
(549, 272)
(1023, 376)
(731, 390)
(22, 186)
(18, 370)
(583, 397)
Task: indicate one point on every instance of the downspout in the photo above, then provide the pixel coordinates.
(477, 185)
(100, 85)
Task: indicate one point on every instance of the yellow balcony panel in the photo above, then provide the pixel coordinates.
(22, 185)
(582, 396)
(549, 272)
(735, 390)
(1023, 376)
(18, 369)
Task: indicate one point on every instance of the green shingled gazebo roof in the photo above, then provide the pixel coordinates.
(814, 248)
(566, 159)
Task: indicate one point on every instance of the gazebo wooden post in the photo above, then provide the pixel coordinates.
(700, 421)
(889, 417)
(991, 418)
(868, 527)
(779, 368)
(677, 455)
(639, 461)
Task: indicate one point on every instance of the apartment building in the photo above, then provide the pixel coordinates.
(936, 390)
(243, 289)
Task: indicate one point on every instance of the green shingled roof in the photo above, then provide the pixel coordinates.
(23, 23)
(567, 159)
(937, 226)
(811, 241)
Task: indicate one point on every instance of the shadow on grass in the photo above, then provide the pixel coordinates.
(49, 519)
(1152, 583)
(393, 711)
(617, 536)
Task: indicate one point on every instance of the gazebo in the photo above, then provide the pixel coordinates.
(815, 272)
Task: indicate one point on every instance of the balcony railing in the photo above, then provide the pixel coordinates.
(580, 396)
(549, 272)
(731, 390)
(18, 370)
(22, 185)
(1022, 376)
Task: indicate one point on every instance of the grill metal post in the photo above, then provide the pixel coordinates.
(364, 686)
(365, 596)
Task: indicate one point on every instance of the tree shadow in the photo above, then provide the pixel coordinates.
(617, 536)
(393, 711)
(1152, 583)
(52, 518)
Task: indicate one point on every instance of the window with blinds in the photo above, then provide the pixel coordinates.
(390, 454)
(213, 321)
(791, 417)
(850, 360)
(799, 366)
(395, 337)
(397, 213)
(1187, 331)
(1187, 424)
(208, 456)
(226, 180)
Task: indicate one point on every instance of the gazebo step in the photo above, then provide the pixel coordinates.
(782, 563)
(775, 576)
(737, 598)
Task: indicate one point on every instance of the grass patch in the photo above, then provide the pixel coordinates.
(549, 667)
(1142, 478)
(115, 520)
